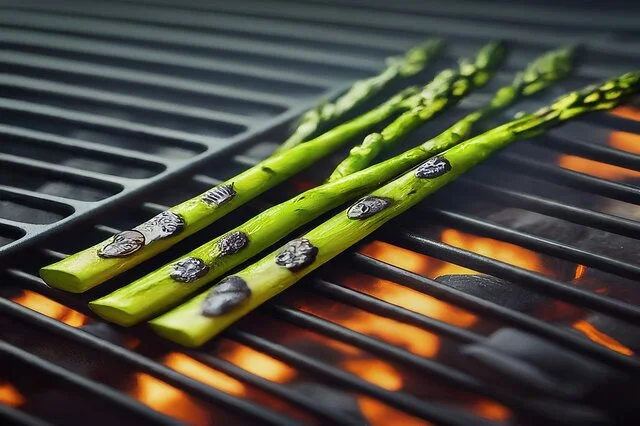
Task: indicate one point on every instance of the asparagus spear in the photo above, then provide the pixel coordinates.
(206, 315)
(95, 265)
(164, 287)
(322, 117)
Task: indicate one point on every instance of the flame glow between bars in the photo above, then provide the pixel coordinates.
(623, 141)
(51, 308)
(10, 396)
(602, 339)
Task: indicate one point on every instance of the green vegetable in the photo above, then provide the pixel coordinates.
(469, 75)
(95, 265)
(206, 315)
(329, 114)
(160, 290)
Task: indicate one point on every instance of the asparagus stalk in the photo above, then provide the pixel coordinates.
(328, 114)
(362, 155)
(95, 265)
(206, 315)
(166, 286)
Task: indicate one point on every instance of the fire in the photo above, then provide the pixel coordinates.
(624, 141)
(580, 271)
(379, 414)
(499, 250)
(10, 396)
(491, 410)
(412, 338)
(412, 300)
(50, 308)
(628, 112)
(168, 400)
(198, 371)
(602, 339)
(259, 364)
(376, 372)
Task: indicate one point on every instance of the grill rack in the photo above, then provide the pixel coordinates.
(25, 277)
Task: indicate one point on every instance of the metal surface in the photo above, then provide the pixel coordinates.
(105, 105)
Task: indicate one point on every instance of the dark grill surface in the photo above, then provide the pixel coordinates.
(509, 297)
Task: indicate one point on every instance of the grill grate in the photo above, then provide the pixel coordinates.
(104, 104)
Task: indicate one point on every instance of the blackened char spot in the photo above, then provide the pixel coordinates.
(231, 292)
(297, 254)
(161, 226)
(232, 243)
(219, 195)
(367, 207)
(123, 244)
(189, 269)
(433, 167)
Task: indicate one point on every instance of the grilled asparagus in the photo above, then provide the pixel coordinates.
(206, 315)
(172, 282)
(328, 114)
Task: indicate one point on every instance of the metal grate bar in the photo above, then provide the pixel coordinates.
(56, 203)
(533, 242)
(482, 306)
(121, 155)
(190, 39)
(101, 122)
(408, 359)
(592, 151)
(140, 79)
(537, 282)
(124, 102)
(85, 385)
(572, 179)
(226, 23)
(547, 16)
(287, 394)
(378, 306)
(146, 365)
(605, 222)
(225, 69)
(422, 409)
(398, 23)
(14, 417)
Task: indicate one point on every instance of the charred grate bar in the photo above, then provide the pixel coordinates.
(117, 100)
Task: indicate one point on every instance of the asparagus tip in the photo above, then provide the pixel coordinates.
(112, 313)
(61, 279)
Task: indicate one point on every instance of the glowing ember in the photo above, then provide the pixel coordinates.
(398, 256)
(260, 364)
(412, 300)
(600, 338)
(379, 414)
(596, 168)
(168, 400)
(412, 338)
(10, 396)
(498, 250)
(628, 112)
(376, 372)
(491, 410)
(198, 371)
(50, 308)
(580, 271)
(624, 141)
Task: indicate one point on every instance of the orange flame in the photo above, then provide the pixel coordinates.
(491, 410)
(624, 141)
(376, 372)
(10, 396)
(207, 375)
(628, 112)
(580, 271)
(379, 414)
(259, 364)
(499, 250)
(602, 339)
(50, 308)
(168, 400)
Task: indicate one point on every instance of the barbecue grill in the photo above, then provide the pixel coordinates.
(509, 297)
